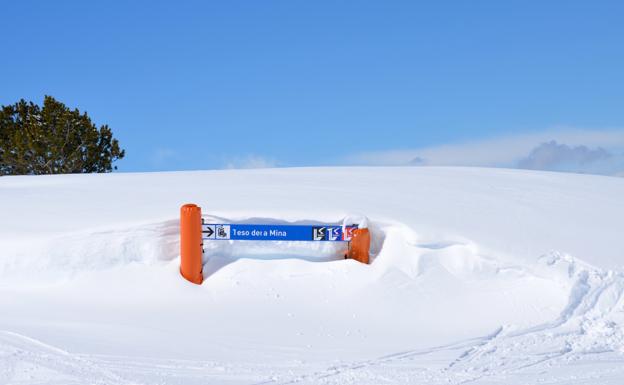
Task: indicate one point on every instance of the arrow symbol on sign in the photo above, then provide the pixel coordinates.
(208, 231)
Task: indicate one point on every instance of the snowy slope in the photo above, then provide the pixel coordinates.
(478, 275)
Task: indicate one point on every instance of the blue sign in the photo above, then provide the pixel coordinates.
(246, 232)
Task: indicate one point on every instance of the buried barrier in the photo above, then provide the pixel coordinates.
(193, 232)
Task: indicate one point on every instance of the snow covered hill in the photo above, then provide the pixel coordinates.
(478, 276)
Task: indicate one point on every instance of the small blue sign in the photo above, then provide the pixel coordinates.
(246, 232)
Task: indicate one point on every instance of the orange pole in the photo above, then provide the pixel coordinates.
(360, 245)
(191, 243)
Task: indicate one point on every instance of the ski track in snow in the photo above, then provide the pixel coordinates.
(24, 360)
(585, 330)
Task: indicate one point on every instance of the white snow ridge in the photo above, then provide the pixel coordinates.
(478, 276)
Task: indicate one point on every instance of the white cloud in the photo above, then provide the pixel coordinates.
(506, 151)
(561, 157)
(251, 161)
(160, 156)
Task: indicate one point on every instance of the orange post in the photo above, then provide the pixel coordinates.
(360, 245)
(191, 243)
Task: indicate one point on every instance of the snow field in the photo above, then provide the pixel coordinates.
(482, 276)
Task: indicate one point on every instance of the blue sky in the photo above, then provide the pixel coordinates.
(194, 85)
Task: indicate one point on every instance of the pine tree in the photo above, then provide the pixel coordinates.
(53, 140)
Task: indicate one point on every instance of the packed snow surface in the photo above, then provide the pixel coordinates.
(482, 276)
